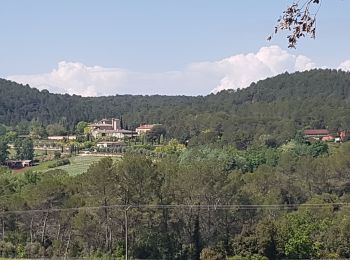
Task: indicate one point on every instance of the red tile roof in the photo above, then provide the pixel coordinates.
(316, 132)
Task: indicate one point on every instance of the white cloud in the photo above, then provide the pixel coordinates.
(200, 78)
(76, 78)
(267, 62)
(345, 66)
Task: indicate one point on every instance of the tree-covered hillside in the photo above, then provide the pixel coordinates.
(277, 107)
(199, 204)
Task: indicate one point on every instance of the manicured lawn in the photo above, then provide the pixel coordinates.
(80, 164)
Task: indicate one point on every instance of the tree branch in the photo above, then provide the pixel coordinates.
(299, 20)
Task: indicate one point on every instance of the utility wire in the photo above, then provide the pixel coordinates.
(183, 206)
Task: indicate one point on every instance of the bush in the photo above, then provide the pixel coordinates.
(210, 254)
(7, 249)
(34, 250)
(253, 257)
(59, 163)
(57, 154)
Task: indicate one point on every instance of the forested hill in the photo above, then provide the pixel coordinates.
(276, 106)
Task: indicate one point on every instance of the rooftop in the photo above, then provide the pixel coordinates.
(316, 132)
(147, 126)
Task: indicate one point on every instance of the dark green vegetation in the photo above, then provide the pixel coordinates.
(246, 185)
(277, 107)
(193, 179)
(24, 149)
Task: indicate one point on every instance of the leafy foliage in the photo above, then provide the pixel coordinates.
(192, 178)
(3, 151)
(299, 20)
(24, 149)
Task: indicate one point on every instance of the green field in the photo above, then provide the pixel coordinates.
(79, 164)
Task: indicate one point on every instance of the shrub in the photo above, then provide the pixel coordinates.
(7, 249)
(57, 155)
(59, 163)
(210, 254)
(33, 250)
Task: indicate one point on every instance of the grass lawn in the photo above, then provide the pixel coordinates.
(79, 164)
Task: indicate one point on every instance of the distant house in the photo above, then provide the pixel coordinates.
(327, 135)
(316, 134)
(143, 129)
(106, 124)
(118, 133)
(18, 164)
(25, 136)
(344, 135)
(328, 138)
(337, 140)
(110, 144)
(62, 137)
(13, 164)
(27, 163)
(110, 128)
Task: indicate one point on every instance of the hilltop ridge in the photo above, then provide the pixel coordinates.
(277, 106)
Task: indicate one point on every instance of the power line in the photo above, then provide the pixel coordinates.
(183, 206)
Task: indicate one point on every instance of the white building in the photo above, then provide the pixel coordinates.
(118, 134)
(110, 128)
(61, 137)
(143, 129)
(106, 124)
(110, 144)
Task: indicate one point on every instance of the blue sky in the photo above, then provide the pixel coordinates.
(153, 37)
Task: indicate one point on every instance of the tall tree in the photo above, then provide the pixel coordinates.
(24, 149)
(3, 151)
(37, 129)
(155, 133)
(3, 130)
(56, 129)
(81, 126)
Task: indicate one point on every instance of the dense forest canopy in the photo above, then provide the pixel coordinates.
(199, 204)
(288, 102)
